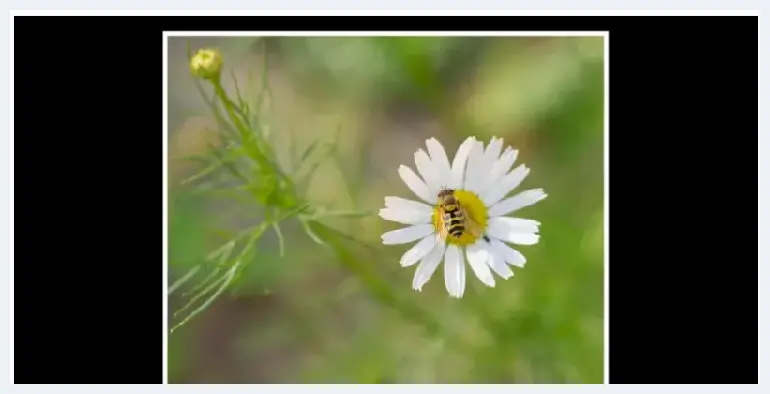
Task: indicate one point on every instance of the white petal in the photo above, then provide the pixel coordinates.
(402, 203)
(427, 170)
(405, 216)
(525, 239)
(418, 251)
(518, 231)
(474, 171)
(440, 161)
(407, 234)
(416, 184)
(497, 262)
(491, 154)
(478, 256)
(508, 183)
(511, 256)
(515, 224)
(428, 266)
(500, 168)
(454, 272)
(458, 164)
(521, 200)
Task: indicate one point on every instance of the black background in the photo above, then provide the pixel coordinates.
(681, 200)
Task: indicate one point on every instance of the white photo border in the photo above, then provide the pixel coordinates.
(7, 144)
(603, 34)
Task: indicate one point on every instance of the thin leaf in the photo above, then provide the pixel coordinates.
(279, 234)
(341, 213)
(200, 174)
(200, 294)
(299, 209)
(264, 90)
(179, 282)
(221, 157)
(240, 101)
(301, 179)
(247, 257)
(224, 283)
(215, 110)
(377, 247)
(353, 174)
(204, 159)
(311, 233)
(223, 253)
(226, 160)
(307, 151)
(241, 107)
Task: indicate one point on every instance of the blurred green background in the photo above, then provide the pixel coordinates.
(305, 318)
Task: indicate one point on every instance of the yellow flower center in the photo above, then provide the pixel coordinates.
(475, 214)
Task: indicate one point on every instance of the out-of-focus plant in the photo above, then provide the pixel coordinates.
(244, 167)
(546, 94)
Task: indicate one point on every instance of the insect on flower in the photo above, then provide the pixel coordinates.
(463, 214)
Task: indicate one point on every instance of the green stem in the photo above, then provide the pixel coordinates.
(261, 151)
(376, 286)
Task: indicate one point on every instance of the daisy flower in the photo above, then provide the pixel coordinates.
(480, 180)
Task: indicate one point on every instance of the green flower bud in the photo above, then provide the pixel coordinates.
(206, 64)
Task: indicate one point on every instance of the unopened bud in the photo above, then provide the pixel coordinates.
(206, 64)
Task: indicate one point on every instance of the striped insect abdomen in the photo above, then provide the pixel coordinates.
(454, 221)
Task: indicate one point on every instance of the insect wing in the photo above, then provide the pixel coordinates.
(442, 225)
(472, 227)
